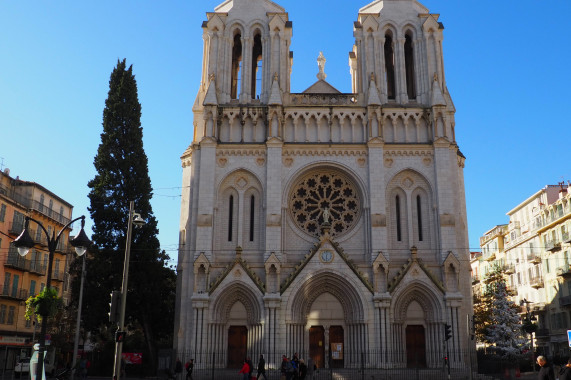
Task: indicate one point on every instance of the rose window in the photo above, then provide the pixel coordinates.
(321, 196)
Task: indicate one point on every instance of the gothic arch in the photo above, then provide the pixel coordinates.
(232, 293)
(425, 295)
(300, 302)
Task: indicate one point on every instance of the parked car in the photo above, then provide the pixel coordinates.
(23, 366)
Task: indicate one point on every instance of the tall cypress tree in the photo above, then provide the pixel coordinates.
(122, 176)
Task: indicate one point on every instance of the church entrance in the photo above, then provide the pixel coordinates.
(336, 346)
(237, 340)
(317, 345)
(415, 346)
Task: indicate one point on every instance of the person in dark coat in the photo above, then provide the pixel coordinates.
(546, 371)
(565, 372)
(262, 367)
(302, 369)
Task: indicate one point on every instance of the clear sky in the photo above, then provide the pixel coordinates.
(507, 68)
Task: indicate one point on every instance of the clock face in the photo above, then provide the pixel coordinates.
(326, 256)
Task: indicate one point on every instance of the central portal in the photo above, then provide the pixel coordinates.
(415, 346)
(237, 338)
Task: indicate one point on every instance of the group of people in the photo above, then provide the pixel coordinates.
(546, 371)
(291, 369)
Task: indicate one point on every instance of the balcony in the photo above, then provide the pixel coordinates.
(566, 237)
(542, 333)
(489, 256)
(44, 210)
(58, 276)
(16, 228)
(512, 290)
(16, 294)
(565, 301)
(37, 268)
(534, 258)
(564, 271)
(16, 261)
(509, 269)
(536, 282)
(553, 246)
(475, 279)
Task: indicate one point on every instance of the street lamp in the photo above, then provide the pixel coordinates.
(134, 220)
(529, 327)
(24, 243)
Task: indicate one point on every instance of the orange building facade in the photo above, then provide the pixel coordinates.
(22, 277)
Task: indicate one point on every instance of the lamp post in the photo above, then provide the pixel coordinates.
(529, 327)
(134, 220)
(24, 243)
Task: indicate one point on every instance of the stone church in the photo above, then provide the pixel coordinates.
(326, 223)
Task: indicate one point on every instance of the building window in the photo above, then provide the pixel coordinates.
(41, 205)
(409, 66)
(397, 206)
(32, 288)
(236, 66)
(252, 211)
(11, 311)
(419, 216)
(390, 67)
(56, 267)
(230, 217)
(2, 212)
(15, 285)
(256, 88)
(3, 314)
(7, 279)
(50, 210)
(18, 222)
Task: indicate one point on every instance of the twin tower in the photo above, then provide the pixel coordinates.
(325, 223)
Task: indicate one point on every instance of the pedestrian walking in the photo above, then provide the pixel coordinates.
(302, 369)
(546, 370)
(189, 367)
(245, 371)
(262, 367)
(565, 372)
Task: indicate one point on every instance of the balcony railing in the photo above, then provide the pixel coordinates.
(490, 255)
(553, 245)
(542, 333)
(16, 228)
(509, 269)
(37, 268)
(58, 276)
(536, 282)
(50, 213)
(565, 301)
(566, 237)
(564, 271)
(10, 292)
(512, 290)
(475, 279)
(16, 261)
(534, 257)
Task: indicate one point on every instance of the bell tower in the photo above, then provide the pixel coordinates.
(246, 42)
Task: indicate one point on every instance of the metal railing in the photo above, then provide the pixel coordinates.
(11, 292)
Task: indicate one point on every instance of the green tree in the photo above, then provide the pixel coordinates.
(122, 176)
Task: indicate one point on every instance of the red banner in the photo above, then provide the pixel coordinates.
(132, 357)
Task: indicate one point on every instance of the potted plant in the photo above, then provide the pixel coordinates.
(44, 304)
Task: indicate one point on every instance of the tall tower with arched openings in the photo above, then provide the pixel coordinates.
(326, 223)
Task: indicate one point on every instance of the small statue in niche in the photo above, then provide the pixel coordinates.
(325, 215)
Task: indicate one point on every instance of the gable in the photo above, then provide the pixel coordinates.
(321, 87)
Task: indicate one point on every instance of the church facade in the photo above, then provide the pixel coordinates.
(326, 223)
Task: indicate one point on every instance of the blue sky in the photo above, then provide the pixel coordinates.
(507, 68)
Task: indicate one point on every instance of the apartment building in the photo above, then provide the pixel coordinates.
(22, 277)
(534, 251)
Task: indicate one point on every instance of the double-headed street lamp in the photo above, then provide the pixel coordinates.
(24, 243)
(134, 220)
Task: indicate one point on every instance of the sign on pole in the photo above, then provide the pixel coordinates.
(569, 337)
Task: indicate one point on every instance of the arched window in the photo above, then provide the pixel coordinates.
(252, 214)
(256, 88)
(390, 66)
(419, 217)
(236, 66)
(409, 66)
(397, 206)
(230, 216)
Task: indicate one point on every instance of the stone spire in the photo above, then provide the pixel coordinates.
(321, 63)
